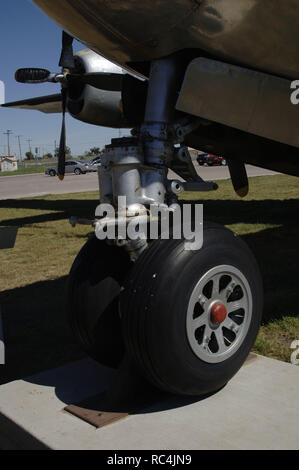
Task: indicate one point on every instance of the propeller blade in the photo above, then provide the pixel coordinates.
(100, 80)
(32, 75)
(67, 54)
(239, 177)
(66, 61)
(45, 104)
(62, 145)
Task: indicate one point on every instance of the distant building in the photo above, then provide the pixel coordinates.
(8, 164)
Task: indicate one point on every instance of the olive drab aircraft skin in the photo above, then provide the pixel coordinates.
(259, 34)
(254, 35)
(218, 76)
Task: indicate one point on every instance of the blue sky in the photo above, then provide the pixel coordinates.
(28, 38)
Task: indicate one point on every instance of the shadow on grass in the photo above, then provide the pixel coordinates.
(268, 211)
(277, 254)
(36, 333)
(58, 210)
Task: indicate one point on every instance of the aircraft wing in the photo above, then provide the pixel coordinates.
(46, 104)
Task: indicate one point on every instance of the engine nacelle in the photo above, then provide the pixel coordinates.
(91, 105)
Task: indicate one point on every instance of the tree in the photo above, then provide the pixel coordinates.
(95, 151)
(29, 156)
(68, 152)
(48, 155)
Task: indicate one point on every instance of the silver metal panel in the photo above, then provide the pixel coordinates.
(99, 107)
(251, 101)
(95, 63)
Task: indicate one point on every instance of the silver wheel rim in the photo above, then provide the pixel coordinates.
(212, 342)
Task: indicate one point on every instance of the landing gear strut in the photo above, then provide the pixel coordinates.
(187, 319)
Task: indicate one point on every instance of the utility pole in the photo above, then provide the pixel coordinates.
(20, 148)
(29, 143)
(8, 133)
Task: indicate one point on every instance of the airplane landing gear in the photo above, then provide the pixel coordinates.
(187, 319)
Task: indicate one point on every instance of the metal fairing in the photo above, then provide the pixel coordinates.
(251, 101)
(91, 105)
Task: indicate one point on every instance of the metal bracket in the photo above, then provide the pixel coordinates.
(177, 187)
(183, 166)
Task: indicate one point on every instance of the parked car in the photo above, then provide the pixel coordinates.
(94, 164)
(97, 160)
(210, 159)
(71, 166)
(201, 158)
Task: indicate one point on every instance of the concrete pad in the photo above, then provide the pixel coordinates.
(258, 409)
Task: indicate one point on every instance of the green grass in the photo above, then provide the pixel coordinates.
(33, 273)
(28, 170)
(276, 337)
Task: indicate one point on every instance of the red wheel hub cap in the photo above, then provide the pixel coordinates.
(218, 313)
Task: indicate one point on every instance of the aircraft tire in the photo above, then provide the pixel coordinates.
(168, 295)
(93, 289)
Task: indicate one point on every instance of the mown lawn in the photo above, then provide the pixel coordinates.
(33, 274)
(32, 169)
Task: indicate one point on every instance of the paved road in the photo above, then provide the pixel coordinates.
(12, 187)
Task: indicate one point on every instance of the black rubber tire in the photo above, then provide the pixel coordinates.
(78, 171)
(52, 173)
(93, 290)
(154, 306)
